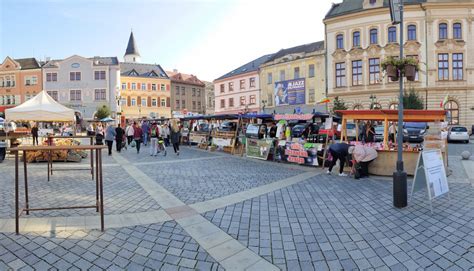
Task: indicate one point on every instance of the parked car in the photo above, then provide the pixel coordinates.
(458, 133)
(299, 129)
(414, 131)
(351, 131)
(378, 133)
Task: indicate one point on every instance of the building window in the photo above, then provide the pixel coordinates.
(194, 92)
(392, 34)
(340, 41)
(374, 70)
(163, 87)
(183, 103)
(358, 107)
(183, 89)
(296, 73)
(75, 76)
(311, 95)
(282, 75)
(242, 84)
(373, 36)
(231, 102)
(177, 90)
(393, 106)
(177, 104)
(356, 39)
(452, 109)
(53, 94)
(357, 72)
(153, 87)
(231, 86)
(443, 67)
(252, 99)
(458, 66)
(457, 31)
(311, 70)
(242, 100)
(154, 103)
(252, 82)
(222, 103)
(269, 78)
(411, 32)
(31, 80)
(144, 103)
(75, 95)
(340, 74)
(443, 31)
(51, 77)
(123, 102)
(143, 86)
(99, 75)
(163, 102)
(199, 106)
(198, 91)
(99, 94)
(134, 86)
(222, 88)
(124, 86)
(134, 102)
(194, 105)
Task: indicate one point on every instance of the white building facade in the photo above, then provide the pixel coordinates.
(84, 84)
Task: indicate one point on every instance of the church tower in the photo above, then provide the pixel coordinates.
(131, 54)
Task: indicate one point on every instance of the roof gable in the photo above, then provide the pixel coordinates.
(142, 70)
(353, 6)
(297, 51)
(10, 64)
(246, 68)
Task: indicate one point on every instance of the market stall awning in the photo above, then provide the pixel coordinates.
(42, 107)
(409, 115)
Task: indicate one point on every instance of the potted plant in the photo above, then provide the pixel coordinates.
(390, 66)
(409, 66)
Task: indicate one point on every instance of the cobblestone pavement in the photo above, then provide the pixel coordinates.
(301, 220)
(337, 223)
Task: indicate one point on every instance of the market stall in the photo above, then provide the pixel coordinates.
(387, 150)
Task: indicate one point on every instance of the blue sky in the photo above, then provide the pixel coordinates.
(207, 38)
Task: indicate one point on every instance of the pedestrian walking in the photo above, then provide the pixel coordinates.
(129, 133)
(90, 129)
(99, 134)
(109, 137)
(338, 151)
(166, 134)
(34, 134)
(119, 132)
(137, 136)
(175, 135)
(145, 131)
(154, 133)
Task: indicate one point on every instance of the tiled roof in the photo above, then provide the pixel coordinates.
(249, 67)
(178, 77)
(28, 63)
(305, 48)
(353, 6)
(97, 61)
(142, 70)
(131, 47)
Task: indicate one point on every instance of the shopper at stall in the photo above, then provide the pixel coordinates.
(392, 130)
(363, 156)
(339, 151)
(175, 135)
(119, 132)
(34, 134)
(137, 136)
(109, 137)
(362, 131)
(370, 132)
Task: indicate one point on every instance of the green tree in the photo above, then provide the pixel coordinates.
(338, 104)
(411, 100)
(102, 112)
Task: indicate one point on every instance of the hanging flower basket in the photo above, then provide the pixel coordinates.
(409, 67)
(410, 72)
(392, 72)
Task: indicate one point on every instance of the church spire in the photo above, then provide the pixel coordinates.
(131, 54)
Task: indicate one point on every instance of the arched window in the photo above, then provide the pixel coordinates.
(340, 41)
(392, 34)
(358, 107)
(452, 109)
(356, 39)
(376, 106)
(443, 31)
(457, 31)
(393, 106)
(412, 32)
(373, 36)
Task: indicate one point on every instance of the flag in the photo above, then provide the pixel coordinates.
(323, 101)
(445, 100)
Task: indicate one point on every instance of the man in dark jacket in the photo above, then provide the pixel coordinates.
(338, 151)
(119, 132)
(34, 133)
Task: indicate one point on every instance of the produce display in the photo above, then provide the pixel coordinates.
(58, 155)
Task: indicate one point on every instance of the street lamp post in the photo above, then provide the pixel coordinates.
(400, 176)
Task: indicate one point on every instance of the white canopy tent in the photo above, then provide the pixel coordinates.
(42, 107)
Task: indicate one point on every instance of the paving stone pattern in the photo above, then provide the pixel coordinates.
(122, 193)
(339, 223)
(151, 247)
(196, 181)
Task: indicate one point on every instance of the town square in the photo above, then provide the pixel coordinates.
(185, 146)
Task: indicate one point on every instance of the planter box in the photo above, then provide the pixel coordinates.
(410, 72)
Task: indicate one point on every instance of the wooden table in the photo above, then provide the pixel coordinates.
(50, 141)
(99, 205)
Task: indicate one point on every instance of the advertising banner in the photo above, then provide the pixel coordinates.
(197, 138)
(221, 142)
(300, 153)
(290, 92)
(258, 148)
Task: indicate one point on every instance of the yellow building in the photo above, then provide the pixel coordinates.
(293, 79)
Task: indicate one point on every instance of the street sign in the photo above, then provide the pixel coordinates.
(395, 10)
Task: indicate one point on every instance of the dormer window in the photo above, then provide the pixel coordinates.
(356, 39)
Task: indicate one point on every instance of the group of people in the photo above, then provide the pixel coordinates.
(360, 155)
(367, 131)
(157, 136)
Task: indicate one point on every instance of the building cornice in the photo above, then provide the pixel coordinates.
(236, 76)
